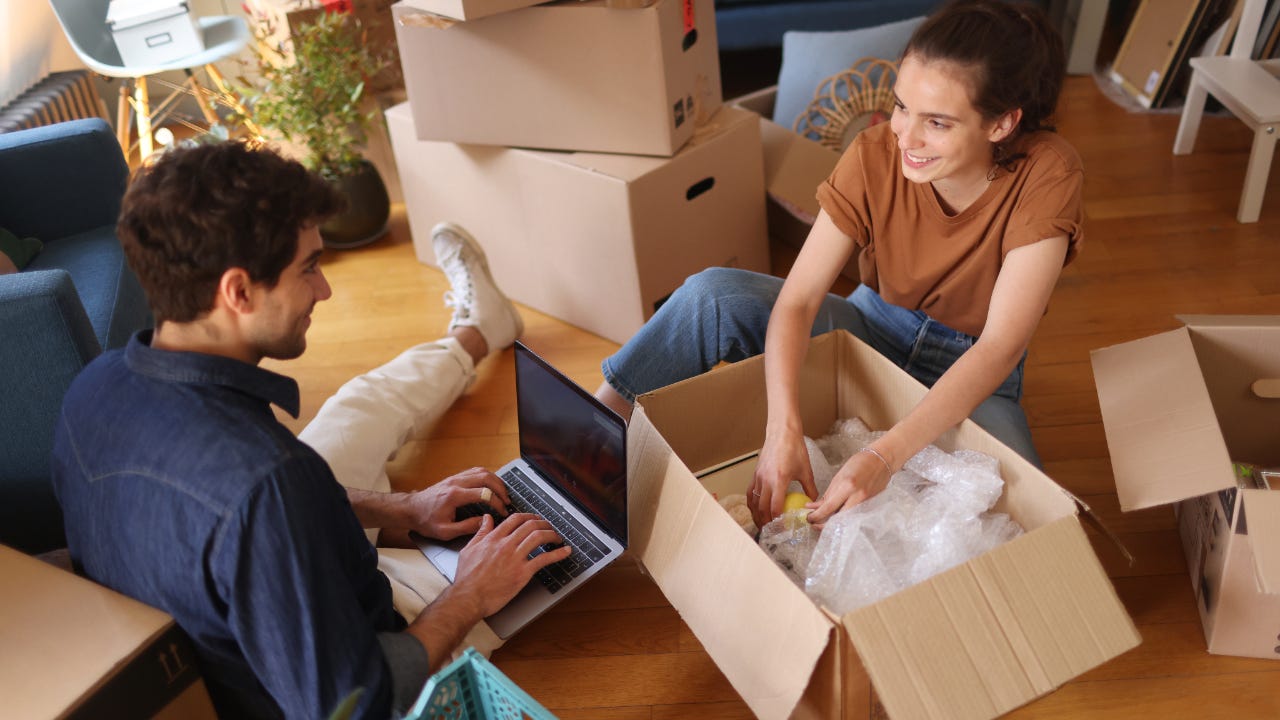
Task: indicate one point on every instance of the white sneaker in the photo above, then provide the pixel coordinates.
(475, 298)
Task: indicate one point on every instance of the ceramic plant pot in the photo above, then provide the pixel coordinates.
(368, 208)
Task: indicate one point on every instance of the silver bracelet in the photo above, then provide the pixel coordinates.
(873, 451)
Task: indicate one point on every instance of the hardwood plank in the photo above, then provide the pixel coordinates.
(1157, 599)
(620, 680)
(1230, 696)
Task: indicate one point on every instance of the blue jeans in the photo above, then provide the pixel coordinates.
(721, 314)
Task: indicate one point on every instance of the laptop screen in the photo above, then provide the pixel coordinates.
(573, 440)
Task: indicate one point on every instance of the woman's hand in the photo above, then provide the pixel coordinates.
(784, 458)
(862, 477)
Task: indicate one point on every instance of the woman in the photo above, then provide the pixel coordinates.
(962, 211)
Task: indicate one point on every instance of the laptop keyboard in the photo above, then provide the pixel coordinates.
(528, 497)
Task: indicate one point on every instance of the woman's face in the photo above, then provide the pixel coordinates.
(942, 137)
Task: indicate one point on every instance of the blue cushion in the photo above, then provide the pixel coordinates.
(112, 297)
(745, 24)
(808, 58)
(49, 340)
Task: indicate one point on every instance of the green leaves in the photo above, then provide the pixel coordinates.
(316, 98)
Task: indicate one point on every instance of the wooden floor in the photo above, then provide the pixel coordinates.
(1161, 239)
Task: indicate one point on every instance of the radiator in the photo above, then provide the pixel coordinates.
(68, 95)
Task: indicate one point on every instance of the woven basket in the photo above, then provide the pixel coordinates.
(849, 102)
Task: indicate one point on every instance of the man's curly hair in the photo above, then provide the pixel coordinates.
(199, 211)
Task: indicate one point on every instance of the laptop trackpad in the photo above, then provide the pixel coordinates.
(443, 555)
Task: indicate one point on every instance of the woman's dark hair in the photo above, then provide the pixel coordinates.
(1014, 58)
(198, 211)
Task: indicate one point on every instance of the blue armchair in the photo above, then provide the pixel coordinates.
(61, 184)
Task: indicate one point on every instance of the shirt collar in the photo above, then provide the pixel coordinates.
(193, 367)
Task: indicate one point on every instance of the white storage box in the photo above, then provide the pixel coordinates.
(153, 32)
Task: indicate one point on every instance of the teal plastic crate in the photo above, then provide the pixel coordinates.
(471, 688)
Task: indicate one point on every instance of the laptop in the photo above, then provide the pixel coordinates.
(572, 471)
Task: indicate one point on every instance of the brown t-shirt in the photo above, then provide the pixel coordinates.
(916, 256)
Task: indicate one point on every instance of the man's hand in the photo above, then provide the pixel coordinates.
(432, 512)
(495, 565)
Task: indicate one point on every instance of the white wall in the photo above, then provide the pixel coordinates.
(31, 46)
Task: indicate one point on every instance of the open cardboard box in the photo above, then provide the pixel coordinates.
(75, 649)
(794, 167)
(973, 642)
(1179, 408)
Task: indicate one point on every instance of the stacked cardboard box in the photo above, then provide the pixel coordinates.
(585, 146)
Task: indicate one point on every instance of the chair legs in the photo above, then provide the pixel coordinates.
(1260, 156)
(1192, 111)
(232, 98)
(1255, 175)
(139, 102)
(202, 99)
(142, 110)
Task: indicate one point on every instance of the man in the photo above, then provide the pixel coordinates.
(181, 489)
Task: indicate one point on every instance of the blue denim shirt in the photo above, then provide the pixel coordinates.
(182, 490)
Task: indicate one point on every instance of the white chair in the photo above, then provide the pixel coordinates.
(84, 23)
(1250, 89)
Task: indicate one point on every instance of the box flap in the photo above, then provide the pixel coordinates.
(767, 647)
(1208, 321)
(53, 619)
(1161, 429)
(996, 632)
(1087, 514)
(1262, 513)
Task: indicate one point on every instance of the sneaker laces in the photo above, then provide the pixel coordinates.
(461, 306)
(461, 294)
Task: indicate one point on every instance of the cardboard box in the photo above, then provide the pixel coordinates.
(794, 167)
(153, 32)
(566, 75)
(74, 649)
(1178, 409)
(468, 9)
(973, 642)
(596, 240)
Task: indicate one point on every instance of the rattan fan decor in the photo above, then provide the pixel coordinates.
(848, 102)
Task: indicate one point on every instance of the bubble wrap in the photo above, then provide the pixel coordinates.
(933, 515)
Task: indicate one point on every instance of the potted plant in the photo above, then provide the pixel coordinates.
(312, 94)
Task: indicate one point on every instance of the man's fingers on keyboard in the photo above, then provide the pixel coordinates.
(515, 523)
(550, 557)
(538, 538)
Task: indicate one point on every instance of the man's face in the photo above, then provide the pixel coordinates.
(285, 311)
